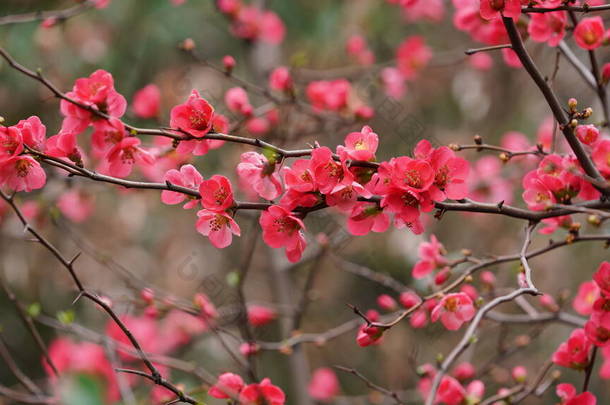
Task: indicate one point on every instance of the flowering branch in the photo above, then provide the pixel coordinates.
(554, 104)
(470, 337)
(69, 265)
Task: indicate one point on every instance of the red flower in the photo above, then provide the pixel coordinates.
(359, 145)
(216, 193)
(492, 9)
(96, 91)
(282, 229)
(280, 79)
(431, 257)
(589, 33)
(259, 315)
(602, 277)
(263, 392)
(412, 56)
(229, 385)
(195, 116)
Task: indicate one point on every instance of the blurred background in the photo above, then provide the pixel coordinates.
(131, 241)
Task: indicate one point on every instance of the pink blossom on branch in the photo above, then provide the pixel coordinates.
(195, 116)
(453, 310)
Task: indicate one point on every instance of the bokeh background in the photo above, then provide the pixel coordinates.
(132, 240)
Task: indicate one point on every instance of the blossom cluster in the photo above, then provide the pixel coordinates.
(592, 300)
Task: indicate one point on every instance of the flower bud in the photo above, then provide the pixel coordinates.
(572, 104)
(229, 63)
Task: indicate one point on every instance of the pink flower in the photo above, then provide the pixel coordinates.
(597, 328)
(324, 385)
(299, 177)
(280, 79)
(96, 91)
(258, 175)
(101, 3)
(33, 133)
(125, 154)
(264, 392)
(257, 126)
(282, 229)
(589, 33)
(602, 277)
(453, 310)
(359, 145)
(76, 205)
(464, 371)
(22, 173)
(216, 193)
(548, 27)
(147, 101)
(143, 328)
(259, 315)
(481, 61)
(588, 293)
(492, 9)
(229, 385)
(601, 156)
(11, 142)
(83, 358)
(430, 258)
(107, 135)
(194, 117)
(251, 23)
(189, 177)
(205, 305)
(218, 226)
(412, 55)
(237, 101)
(573, 353)
(393, 82)
(328, 95)
(357, 47)
(366, 217)
(63, 145)
(587, 134)
(328, 173)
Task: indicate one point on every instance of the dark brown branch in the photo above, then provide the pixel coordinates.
(372, 385)
(57, 15)
(582, 9)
